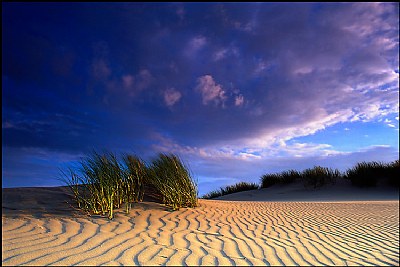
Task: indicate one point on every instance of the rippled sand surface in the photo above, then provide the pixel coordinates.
(216, 233)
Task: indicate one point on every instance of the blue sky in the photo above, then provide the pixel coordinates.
(235, 89)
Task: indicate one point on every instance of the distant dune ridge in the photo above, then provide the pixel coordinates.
(272, 226)
(342, 190)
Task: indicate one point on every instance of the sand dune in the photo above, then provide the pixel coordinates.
(44, 232)
(339, 192)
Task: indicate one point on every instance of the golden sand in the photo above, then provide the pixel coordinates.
(216, 233)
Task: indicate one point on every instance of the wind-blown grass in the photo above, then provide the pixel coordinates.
(319, 176)
(173, 180)
(367, 174)
(135, 178)
(212, 194)
(103, 184)
(238, 187)
(270, 179)
(363, 174)
(285, 177)
(393, 173)
(312, 177)
(290, 176)
(97, 188)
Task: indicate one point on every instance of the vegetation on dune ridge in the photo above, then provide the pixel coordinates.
(312, 178)
(319, 176)
(285, 177)
(363, 174)
(238, 187)
(368, 174)
(136, 175)
(102, 183)
(172, 179)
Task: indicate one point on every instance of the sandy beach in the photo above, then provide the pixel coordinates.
(39, 227)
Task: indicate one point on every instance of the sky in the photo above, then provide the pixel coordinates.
(237, 90)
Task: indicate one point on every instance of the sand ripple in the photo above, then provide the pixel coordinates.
(216, 233)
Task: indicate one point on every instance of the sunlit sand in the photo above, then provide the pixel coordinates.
(39, 228)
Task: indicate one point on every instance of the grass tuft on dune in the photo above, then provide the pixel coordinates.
(238, 187)
(171, 177)
(103, 183)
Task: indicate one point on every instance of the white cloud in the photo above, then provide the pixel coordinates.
(303, 70)
(367, 19)
(195, 45)
(225, 52)
(171, 96)
(133, 84)
(220, 54)
(244, 151)
(390, 123)
(239, 100)
(210, 90)
(307, 150)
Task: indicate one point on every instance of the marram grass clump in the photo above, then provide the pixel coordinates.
(238, 187)
(319, 176)
(103, 184)
(313, 177)
(285, 177)
(171, 177)
(135, 179)
(363, 174)
(368, 174)
(98, 186)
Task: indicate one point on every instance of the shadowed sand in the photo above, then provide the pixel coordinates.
(40, 228)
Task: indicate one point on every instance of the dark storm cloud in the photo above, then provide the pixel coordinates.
(208, 80)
